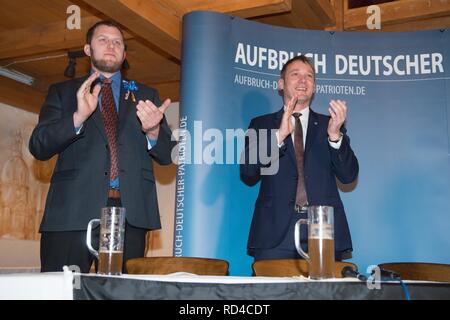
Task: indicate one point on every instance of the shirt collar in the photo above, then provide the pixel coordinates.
(115, 78)
(304, 112)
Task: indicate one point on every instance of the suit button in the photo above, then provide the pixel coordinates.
(106, 146)
(106, 173)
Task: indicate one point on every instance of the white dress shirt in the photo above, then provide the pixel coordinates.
(304, 120)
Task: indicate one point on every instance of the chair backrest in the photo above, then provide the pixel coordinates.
(419, 270)
(166, 265)
(292, 267)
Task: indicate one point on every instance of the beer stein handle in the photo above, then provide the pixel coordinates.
(88, 237)
(297, 239)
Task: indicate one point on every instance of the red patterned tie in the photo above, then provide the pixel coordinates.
(300, 198)
(110, 121)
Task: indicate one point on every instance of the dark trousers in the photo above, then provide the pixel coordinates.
(286, 248)
(69, 248)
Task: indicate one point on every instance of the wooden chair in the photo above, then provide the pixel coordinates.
(166, 265)
(291, 268)
(419, 270)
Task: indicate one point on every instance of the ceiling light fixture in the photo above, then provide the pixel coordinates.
(73, 55)
(17, 76)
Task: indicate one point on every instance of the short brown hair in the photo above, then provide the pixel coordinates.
(108, 23)
(301, 58)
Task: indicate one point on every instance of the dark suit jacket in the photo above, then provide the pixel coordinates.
(80, 181)
(275, 202)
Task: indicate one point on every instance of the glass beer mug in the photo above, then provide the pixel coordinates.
(112, 233)
(320, 241)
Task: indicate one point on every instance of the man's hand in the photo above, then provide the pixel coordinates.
(338, 112)
(86, 101)
(286, 127)
(151, 116)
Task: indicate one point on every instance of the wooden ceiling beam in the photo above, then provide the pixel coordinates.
(159, 22)
(42, 38)
(324, 10)
(282, 20)
(311, 14)
(397, 12)
(338, 7)
(153, 21)
(243, 9)
(303, 15)
(20, 95)
(45, 38)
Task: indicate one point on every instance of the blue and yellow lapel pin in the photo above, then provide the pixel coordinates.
(130, 88)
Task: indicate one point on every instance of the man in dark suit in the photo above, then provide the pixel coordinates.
(100, 165)
(321, 144)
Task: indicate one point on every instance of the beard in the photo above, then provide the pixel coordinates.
(105, 66)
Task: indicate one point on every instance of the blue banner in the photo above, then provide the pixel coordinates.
(397, 90)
